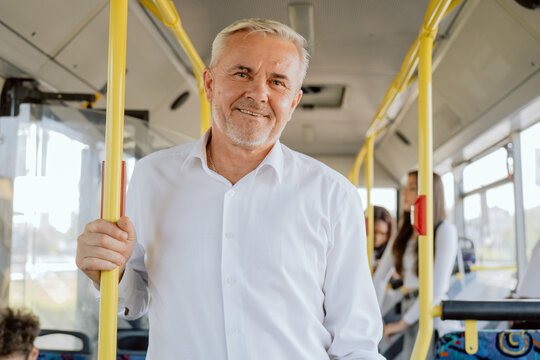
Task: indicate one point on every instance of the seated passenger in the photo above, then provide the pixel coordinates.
(18, 330)
(383, 230)
(401, 257)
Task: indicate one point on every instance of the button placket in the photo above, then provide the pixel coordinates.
(232, 301)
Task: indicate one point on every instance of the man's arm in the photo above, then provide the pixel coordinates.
(352, 313)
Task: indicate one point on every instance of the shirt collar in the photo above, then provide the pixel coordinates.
(274, 159)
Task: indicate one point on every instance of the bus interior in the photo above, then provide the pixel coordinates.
(485, 115)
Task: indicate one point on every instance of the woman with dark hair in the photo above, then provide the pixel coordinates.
(401, 259)
(383, 230)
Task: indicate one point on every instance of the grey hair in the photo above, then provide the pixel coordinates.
(264, 26)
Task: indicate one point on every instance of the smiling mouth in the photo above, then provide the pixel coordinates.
(243, 111)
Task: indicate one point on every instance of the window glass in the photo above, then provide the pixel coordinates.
(485, 170)
(51, 172)
(489, 222)
(385, 197)
(530, 158)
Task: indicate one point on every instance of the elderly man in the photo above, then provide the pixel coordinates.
(244, 248)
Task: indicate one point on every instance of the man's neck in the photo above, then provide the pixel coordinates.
(231, 161)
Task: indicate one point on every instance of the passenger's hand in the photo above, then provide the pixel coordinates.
(394, 328)
(104, 246)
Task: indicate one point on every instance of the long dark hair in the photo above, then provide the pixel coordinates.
(406, 229)
(381, 214)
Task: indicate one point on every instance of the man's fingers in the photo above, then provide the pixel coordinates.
(105, 241)
(102, 226)
(106, 255)
(92, 266)
(126, 225)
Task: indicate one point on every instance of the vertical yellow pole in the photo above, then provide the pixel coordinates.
(369, 185)
(112, 178)
(425, 186)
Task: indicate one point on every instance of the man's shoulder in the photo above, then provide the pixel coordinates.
(309, 169)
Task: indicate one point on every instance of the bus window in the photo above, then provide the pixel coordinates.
(385, 197)
(489, 209)
(530, 158)
(485, 170)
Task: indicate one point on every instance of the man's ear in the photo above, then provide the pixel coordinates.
(296, 101)
(208, 81)
(33, 354)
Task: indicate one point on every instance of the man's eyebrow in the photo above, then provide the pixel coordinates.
(241, 67)
(279, 76)
(250, 70)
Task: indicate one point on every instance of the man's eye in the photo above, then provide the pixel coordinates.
(278, 83)
(241, 74)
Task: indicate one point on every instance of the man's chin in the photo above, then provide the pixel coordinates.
(248, 141)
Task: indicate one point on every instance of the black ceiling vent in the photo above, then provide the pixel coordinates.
(180, 100)
(317, 96)
(403, 138)
(529, 4)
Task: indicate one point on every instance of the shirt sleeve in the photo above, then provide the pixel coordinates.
(352, 315)
(384, 272)
(133, 295)
(445, 256)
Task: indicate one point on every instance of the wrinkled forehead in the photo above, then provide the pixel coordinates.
(258, 47)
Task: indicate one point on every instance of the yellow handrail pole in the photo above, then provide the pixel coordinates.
(112, 177)
(436, 11)
(166, 12)
(369, 185)
(425, 186)
(353, 175)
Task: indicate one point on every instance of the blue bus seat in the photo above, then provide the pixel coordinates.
(492, 345)
(131, 344)
(61, 354)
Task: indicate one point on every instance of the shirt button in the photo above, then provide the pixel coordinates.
(233, 330)
(231, 193)
(229, 235)
(231, 280)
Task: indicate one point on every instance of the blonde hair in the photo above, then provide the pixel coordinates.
(264, 26)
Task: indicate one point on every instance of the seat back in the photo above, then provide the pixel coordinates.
(492, 344)
(62, 354)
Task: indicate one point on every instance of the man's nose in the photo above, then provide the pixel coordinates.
(258, 89)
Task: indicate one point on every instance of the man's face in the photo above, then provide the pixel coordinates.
(254, 88)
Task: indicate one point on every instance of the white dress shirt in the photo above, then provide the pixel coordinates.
(446, 247)
(273, 267)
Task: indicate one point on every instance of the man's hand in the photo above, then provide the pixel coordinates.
(104, 246)
(394, 328)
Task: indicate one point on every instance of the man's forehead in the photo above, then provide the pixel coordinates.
(243, 43)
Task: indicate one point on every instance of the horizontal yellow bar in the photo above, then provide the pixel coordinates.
(436, 311)
(492, 268)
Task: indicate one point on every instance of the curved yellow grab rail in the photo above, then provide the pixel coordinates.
(358, 161)
(112, 177)
(166, 12)
(370, 214)
(402, 80)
